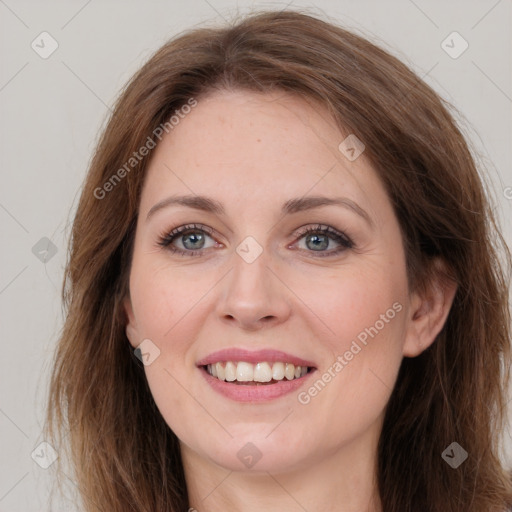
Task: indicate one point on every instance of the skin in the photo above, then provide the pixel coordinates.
(253, 152)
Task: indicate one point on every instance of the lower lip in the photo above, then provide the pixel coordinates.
(253, 393)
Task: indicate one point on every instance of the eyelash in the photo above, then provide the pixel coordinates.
(167, 238)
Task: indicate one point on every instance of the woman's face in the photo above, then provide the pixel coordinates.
(245, 276)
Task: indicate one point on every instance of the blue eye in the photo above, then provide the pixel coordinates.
(192, 238)
(318, 238)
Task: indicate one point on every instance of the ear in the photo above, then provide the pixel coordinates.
(131, 325)
(428, 312)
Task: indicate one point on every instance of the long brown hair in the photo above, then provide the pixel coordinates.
(124, 456)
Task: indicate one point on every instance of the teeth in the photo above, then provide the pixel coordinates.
(262, 372)
(242, 371)
(221, 373)
(278, 371)
(289, 371)
(230, 371)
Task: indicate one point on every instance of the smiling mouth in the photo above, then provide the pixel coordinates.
(248, 374)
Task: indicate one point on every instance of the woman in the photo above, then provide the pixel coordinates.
(283, 288)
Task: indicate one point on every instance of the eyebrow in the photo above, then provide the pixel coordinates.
(291, 206)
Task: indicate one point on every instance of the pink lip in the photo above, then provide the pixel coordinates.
(253, 393)
(257, 356)
(263, 393)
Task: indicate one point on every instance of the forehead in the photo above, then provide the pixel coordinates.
(256, 147)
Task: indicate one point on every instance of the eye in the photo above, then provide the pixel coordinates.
(191, 236)
(318, 238)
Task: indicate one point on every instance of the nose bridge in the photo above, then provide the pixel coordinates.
(252, 295)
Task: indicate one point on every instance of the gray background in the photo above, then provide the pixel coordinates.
(52, 110)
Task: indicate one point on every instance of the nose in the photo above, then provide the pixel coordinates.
(252, 296)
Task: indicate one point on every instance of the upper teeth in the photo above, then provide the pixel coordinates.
(260, 372)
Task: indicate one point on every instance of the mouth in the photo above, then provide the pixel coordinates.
(255, 376)
(244, 373)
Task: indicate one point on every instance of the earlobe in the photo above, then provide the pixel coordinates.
(428, 314)
(131, 325)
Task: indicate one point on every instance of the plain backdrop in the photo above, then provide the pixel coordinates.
(53, 108)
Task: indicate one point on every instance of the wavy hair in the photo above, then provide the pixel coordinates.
(100, 410)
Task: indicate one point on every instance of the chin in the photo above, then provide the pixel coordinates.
(253, 454)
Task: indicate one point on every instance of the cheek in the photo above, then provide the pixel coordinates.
(169, 391)
(355, 302)
(165, 316)
(365, 312)
(162, 297)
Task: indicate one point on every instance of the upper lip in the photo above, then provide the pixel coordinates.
(253, 356)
